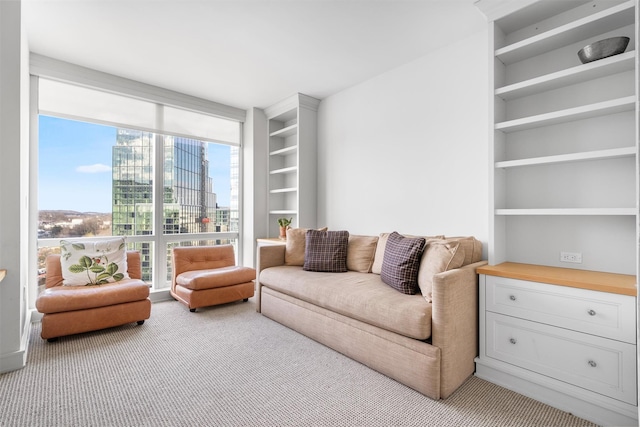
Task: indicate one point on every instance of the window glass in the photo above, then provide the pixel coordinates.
(96, 180)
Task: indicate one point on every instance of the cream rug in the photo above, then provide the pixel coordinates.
(230, 366)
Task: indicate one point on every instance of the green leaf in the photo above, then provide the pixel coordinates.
(102, 282)
(103, 276)
(96, 268)
(118, 276)
(112, 268)
(78, 246)
(85, 261)
(75, 268)
(122, 245)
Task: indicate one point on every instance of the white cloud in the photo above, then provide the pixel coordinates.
(97, 168)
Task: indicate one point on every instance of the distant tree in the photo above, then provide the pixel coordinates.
(92, 226)
(56, 230)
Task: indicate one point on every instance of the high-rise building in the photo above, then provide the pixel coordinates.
(189, 201)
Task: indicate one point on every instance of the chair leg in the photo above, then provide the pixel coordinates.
(193, 310)
(52, 339)
(245, 300)
(140, 322)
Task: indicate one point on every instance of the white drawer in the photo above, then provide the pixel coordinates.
(604, 366)
(598, 313)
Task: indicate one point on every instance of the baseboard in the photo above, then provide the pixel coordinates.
(573, 400)
(159, 296)
(18, 359)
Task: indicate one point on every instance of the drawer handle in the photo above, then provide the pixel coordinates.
(512, 297)
(592, 363)
(591, 312)
(512, 340)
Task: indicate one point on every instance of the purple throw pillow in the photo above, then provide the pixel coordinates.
(401, 262)
(326, 251)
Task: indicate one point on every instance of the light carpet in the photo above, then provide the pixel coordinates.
(231, 366)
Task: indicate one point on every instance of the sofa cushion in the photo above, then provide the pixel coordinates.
(70, 298)
(439, 256)
(472, 248)
(215, 277)
(401, 262)
(86, 262)
(326, 251)
(378, 257)
(360, 252)
(361, 296)
(295, 244)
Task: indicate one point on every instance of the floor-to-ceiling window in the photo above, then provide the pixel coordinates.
(110, 164)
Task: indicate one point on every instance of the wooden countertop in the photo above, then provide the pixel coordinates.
(623, 284)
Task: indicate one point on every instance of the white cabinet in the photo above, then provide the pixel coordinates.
(556, 338)
(292, 161)
(564, 135)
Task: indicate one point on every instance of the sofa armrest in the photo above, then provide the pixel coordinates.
(455, 324)
(268, 256)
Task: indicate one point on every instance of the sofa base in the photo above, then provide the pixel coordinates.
(56, 325)
(413, 363)
(215, 296)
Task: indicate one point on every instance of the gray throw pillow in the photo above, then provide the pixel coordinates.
(401, 262)
(326, 251)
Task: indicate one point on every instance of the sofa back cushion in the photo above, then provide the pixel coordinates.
(360, 253)
(471, 246)
(439, 256)
(326, 251)
(376, 267)
(295, 244)
(401, 262)
(191, 258)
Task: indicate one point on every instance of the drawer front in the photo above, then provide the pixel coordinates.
(598, 313)
(601, 365)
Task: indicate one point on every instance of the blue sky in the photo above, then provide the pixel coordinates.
(74, 171)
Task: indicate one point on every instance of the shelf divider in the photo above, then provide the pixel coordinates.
(569, 211)
(285, 132)
(563, 116)
(614, 153)
(580, 73)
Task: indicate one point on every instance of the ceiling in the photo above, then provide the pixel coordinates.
(246, 53)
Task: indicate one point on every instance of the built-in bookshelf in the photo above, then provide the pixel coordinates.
(563, 178)
(292, 161)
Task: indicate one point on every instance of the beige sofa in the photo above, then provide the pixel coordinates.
(428, 346)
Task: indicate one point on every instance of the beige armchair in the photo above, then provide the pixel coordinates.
(207, 275)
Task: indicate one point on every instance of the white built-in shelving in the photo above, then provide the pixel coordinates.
(563, 165)
(292, 161)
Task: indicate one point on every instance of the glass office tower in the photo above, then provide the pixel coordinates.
(189, 201)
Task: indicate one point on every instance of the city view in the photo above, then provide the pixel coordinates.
(98, 180)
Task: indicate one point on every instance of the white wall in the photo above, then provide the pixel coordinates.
(14, 182)
(408, 150)
(255, 188)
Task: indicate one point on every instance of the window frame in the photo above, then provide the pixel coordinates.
(69, 73)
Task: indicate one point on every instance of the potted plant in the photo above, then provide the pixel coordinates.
(284, 223)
